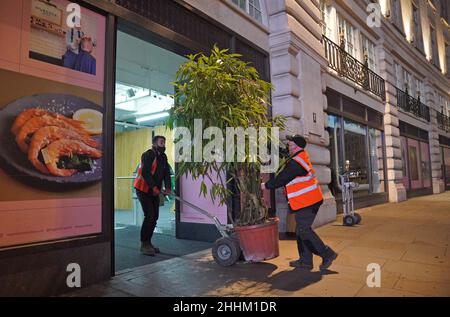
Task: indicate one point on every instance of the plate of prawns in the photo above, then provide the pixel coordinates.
(41, 137)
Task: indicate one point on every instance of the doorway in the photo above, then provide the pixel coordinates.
(143, 98)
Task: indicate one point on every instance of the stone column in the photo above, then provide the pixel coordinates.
(296, 63)
(394, 164)
(285, 101)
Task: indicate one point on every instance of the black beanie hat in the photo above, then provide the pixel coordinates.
(297, 139)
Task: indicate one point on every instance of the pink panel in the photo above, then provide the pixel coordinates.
(425, 161)
(415, 171)
(190, 190)
(404, 145)
(447, 165)
(24, 222)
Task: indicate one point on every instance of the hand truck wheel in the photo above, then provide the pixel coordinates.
(225, 251)
(358, 218)
(349, 221)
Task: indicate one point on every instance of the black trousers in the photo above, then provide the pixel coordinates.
(308, 242)
(150, 206)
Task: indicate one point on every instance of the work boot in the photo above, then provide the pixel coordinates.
(328, 259)
(147, 249)
(301, 265)
(155, 248)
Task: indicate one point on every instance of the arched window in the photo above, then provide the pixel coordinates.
(252, 7)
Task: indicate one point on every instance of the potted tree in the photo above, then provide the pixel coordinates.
(225, 92)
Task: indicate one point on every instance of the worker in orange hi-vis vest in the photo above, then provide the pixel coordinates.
(305, 198)
(152, 172)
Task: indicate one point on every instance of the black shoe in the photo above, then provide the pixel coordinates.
(147, 249)
(328, 259)
(156, 249)
(301, 265)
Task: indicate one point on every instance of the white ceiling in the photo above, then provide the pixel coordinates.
(141, 64)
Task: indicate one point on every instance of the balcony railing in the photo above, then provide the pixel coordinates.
(348, 66)
(412, 105)
(443, 122)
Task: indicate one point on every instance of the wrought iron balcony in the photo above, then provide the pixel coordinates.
(349, 67)
(443, 122)
(412, 105)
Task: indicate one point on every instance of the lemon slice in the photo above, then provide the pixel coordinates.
(92, 120)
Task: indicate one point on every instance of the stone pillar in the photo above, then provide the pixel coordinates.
(433, 135)
(296, 63)
(394, 164)
(285, 101)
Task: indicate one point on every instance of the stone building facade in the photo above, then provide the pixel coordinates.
(367, 83)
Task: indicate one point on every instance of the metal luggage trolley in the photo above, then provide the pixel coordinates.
(350, 216)
(226, 250)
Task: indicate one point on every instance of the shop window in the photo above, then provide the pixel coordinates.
(375, 118)
(405, 165)
(413, 160)
(333, 100)
(354, 108)
(376, 160)
(425, 164)
(334, 130)
(356, 150)
(447, 165)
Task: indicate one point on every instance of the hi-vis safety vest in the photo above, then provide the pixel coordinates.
(139, 182)
(303, 191)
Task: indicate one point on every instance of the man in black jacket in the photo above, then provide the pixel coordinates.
(297, 167)
(153, 171)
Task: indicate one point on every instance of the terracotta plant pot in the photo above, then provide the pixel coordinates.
(259, 242)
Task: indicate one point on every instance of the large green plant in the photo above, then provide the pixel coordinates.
(224, 91)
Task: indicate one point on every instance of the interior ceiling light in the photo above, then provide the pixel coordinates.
(153, 117)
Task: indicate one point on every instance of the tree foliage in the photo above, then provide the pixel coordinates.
(224, 91)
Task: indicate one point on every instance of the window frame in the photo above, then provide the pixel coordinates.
(247, 10)
(351, 47)
(434, 47)
(371, 52)
(396, 13)
(417, 27)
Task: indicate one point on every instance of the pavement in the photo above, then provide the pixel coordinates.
(408, 240)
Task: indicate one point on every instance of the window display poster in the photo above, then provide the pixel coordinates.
(51, 114)
(54, 39)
